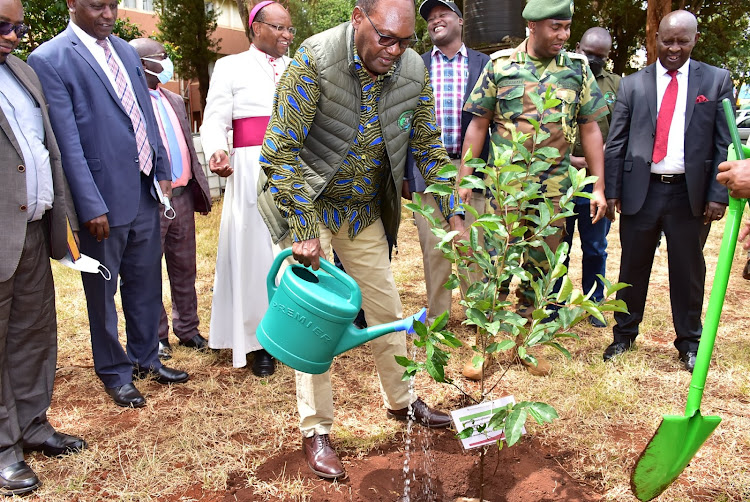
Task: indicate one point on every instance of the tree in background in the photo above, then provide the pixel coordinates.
(47, 18)
(189, 25)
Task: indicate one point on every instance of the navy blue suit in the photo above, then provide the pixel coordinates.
(100, 159)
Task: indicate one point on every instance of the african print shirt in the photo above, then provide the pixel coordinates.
(355, 191)
(501, 95)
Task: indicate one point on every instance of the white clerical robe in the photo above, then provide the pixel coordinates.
(242, 85)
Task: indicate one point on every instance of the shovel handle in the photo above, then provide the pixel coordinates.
(719, 284)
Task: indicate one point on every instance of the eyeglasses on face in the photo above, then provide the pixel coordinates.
(387, 41)
(160, 55)
(6, 27)
(279, 28)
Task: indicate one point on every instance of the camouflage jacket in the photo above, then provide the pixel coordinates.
(501, 95)
(608, 83)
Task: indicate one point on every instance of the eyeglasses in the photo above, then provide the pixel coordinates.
(160, 55)
(289, 29)
(387, 41)
(6, 27)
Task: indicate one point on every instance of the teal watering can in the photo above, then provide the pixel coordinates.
(310, 314)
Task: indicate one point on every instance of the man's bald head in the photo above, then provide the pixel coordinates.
(680, 18)
(153, 51)
(677, 35)
(147, 46)
(595, 42)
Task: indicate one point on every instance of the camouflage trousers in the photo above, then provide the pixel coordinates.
(534, 259)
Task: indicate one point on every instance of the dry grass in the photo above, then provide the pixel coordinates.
(193, 441)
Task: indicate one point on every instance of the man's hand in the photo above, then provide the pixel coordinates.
(465, 195)
(405, 191)
(613, 206)
(578, 162)
(99, 227)
(714, 211)
(735, 175)
(743, 235)
(166, 188)
(219, 164)
(597, 206)
(308, 253)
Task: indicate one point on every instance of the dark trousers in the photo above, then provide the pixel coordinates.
(28, 349)
(132, 252)
(593, 245)
(666, 208)
(178, 244)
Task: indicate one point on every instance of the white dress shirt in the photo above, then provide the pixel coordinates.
(674, 162)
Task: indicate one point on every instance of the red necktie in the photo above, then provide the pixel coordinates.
(664, 120)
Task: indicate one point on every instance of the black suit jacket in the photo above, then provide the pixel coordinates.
(477, 62)
(627, 158)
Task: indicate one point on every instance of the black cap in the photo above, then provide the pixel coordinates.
(428, 5)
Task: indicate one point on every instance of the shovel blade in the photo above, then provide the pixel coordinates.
(674, 444)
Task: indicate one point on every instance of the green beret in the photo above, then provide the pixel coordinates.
(536, 10)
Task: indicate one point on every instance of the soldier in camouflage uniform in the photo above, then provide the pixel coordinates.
(501, 99)
(595, 44)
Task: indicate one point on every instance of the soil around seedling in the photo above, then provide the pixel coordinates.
(436, 469)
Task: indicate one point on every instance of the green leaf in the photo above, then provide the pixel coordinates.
(448, 171)
(403, 361)
(440, 189)
(514, 425)
(543, 412)
(565, 290)
(466, 433)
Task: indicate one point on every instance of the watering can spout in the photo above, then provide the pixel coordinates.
(356, 336)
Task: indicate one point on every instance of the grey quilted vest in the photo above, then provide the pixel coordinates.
(334, 127)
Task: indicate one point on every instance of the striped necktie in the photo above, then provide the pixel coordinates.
(128, 102)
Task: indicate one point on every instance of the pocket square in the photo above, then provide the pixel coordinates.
(701, 99)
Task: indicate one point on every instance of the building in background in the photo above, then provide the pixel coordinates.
(230, 31)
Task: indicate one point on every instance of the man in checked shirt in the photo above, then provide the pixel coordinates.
(353, 100)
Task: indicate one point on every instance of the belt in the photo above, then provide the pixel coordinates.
(177, 191)
(668, 178)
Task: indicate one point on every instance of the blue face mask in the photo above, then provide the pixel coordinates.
(167, 69)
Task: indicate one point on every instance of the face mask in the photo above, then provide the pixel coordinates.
(86, 264)
(597, 65)
(167, 69)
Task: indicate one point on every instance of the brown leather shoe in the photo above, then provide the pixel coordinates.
(423, 414)
(746, 270)
(321, 457)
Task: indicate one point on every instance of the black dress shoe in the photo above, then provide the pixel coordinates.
(689, 359)
(60, 444)
(616, 349)
(197, 343)
(126, 396)
(18, 478)
(165, 350)
(263, 363)
(596, 322)
(163, 374)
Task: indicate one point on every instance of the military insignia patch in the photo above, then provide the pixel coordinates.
(404, 121)
(610, 97)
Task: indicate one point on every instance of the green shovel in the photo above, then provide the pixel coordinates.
(679, 438)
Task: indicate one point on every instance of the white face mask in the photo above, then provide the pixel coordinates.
(86, 264)
(169, 212)
(167, 69)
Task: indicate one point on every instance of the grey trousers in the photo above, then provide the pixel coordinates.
(28, 349)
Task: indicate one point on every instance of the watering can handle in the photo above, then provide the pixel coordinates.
(324, 264)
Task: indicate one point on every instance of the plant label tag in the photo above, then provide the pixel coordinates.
(477, 415)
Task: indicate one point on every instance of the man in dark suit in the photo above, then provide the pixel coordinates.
(34, 204)
(111, 153)
(666, 139)
(190, 194)
(454, 69)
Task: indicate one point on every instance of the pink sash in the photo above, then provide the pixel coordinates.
(249, 131)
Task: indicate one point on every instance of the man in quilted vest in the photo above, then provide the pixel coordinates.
(351, 103)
